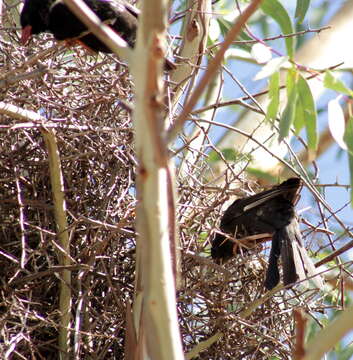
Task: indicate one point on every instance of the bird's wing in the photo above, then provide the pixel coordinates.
(240, 210)
(289, 189)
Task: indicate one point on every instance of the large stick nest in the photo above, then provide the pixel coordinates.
(84, 99)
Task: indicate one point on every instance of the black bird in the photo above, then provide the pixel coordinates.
(34, 18)
(118, 14)
(268, 212)
(55, 17)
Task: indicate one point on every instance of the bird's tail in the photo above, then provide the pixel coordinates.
(297, 265)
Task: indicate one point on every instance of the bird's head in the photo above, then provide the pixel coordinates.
(34, 18)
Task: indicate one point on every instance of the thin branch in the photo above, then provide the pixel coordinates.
(277, 37)
(57, 184)
(211, 70)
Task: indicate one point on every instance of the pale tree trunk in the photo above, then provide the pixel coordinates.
(156, 328)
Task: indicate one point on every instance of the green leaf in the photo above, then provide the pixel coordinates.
(273, 93)
(228, 154)
(275, 9)
(224, 25)
(299, 120)
(291, 80)
(348, 138)
(264, 175)
(331, 82)
(301, 9)
(271, 67)
(346, 353)
(202, 237)
(288, 115)
(306, 113)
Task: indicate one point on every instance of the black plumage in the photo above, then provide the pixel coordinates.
(34, 18)
(119, 15)
(55, 17)
(268, 212)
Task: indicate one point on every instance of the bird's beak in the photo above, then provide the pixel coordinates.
(26, 34)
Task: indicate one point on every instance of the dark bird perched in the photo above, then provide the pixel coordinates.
(55, 17)
(268, 212)
(121, 16)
